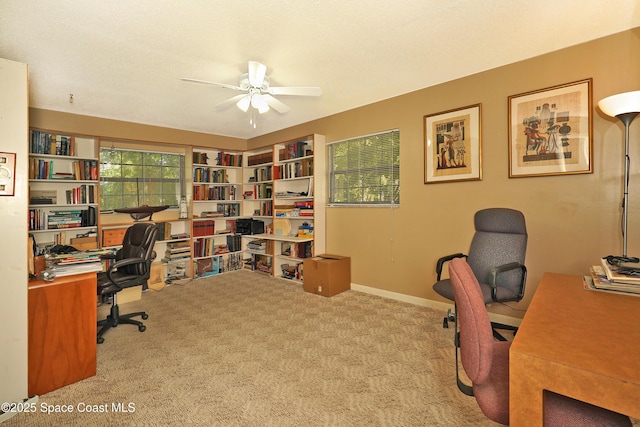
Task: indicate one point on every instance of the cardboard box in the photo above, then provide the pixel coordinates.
(156, 274)
(327, 274)
(84, 243)
(130, 294)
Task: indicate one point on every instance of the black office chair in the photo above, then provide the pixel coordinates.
(131, 267)
(496, 257)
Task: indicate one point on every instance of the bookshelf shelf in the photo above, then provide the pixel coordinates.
(287, 171)
(217, 204)
(63, 187)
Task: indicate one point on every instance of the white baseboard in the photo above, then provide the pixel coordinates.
(423, 302)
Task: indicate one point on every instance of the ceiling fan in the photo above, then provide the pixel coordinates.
(258, 93)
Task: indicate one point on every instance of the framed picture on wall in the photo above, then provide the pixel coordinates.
(550, 131)
(7, 174)
(452, 145)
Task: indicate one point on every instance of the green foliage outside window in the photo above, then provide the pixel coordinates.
(365, 170)
(134, 178)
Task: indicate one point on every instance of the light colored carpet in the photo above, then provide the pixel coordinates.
(243, 349)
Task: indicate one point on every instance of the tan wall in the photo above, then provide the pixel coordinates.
(572, 220)
(119, 130)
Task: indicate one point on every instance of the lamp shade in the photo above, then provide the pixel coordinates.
(622, 103)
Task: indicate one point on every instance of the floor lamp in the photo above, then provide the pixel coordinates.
(624, 106)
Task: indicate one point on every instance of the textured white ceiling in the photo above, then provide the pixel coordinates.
(123, 59)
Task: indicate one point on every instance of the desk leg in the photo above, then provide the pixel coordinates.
(525, 393)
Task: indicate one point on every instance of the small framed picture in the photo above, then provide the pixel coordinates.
(550, 131)
(7, 174)
(452, 145)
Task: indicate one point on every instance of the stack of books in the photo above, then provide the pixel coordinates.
(609, 278)
(177, 251)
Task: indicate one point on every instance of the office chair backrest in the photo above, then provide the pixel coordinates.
(500, 238)
(138, 242)
(476, 336)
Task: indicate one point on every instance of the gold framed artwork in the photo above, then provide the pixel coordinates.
(453, 146)
(550, 131)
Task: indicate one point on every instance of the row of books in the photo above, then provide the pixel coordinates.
(164, 230)
(204, 228)
(266, 208)
(294, 150)
(222, 159)
(297, 249)
(610, 278)
(208, 246)
(216, 192)
(81, 195)
(82, 170)
(45, 219)
(259, 191)
(297, 169)
(52, 144)
(223, 210)
(216, 176)
(228, 159)
(218, 264)
(260, 159)
(262, 174)
(231, 262)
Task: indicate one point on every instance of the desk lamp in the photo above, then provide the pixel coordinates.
(624, 106)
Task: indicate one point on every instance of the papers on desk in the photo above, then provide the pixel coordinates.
(78, 257)
(77, 262)
(605, 278)
(71, 269)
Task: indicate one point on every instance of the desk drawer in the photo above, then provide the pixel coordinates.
(113, 236)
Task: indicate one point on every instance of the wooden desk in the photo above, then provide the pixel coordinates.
(62, 331)
(578, 343)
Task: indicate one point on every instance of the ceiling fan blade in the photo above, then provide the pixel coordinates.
(224, 85)
(279, 106)
(257, 71)
(229, 102)
(299, 91)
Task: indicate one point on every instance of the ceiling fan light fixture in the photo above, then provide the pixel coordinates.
(258, 93)
(258, 102)
(244, 103)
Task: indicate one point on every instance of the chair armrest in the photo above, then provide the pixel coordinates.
(493, 277)
(444, 259)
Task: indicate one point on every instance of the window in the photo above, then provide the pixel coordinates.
(365, 170)
(130, 178)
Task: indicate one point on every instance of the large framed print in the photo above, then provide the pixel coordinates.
(452, 145)
(550, 131)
